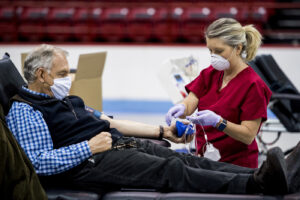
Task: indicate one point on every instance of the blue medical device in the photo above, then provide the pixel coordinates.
(182, 129)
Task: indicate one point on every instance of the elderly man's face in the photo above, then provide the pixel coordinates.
(60, 69)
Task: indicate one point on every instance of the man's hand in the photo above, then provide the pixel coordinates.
(170, 133)
(100, 143)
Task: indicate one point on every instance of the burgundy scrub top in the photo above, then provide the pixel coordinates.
(245, 97)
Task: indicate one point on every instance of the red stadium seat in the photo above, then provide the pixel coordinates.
(229, 12)
(167, 24)
(82, 15)
(197, 14)
(7, 13)
(82, 25)
(140, 23)
(194, 23)
(60, 24)
(34, 14)
(254, 14)
(96, 14)
(32, 32)
(113, 24)
(32, 25)
(8, 31)
(60, 32)
(82, 32)
(61, 14)
(93, 24)
(260, 14)
(8, 25)
(115, 14)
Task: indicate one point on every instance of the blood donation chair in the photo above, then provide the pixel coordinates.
(285, 100)
(10, 83)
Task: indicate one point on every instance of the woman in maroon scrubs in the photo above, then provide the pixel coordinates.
(231, 98)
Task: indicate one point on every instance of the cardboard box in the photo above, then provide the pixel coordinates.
(88, 79)
(23, 56)
(87, 82)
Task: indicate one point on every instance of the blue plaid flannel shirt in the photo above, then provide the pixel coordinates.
(31, 131)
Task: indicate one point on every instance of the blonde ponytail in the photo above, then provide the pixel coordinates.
(253, 38)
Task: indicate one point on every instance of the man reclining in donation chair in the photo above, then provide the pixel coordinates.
(67, 144)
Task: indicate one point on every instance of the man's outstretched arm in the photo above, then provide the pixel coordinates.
(137, 129)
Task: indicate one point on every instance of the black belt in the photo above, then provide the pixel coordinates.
(125, 143)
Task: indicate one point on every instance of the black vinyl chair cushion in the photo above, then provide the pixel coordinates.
(10, 82)
(286, 109)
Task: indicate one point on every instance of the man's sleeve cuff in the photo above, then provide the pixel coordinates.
(86, 151)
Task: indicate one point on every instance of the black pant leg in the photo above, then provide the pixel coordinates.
(137, 169)
(193, 161)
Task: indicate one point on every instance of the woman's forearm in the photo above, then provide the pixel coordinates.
(244, 132)
(190, 103)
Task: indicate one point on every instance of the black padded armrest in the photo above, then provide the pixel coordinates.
(66, 194)
(186, 196)
(285, 96)
(293, 98)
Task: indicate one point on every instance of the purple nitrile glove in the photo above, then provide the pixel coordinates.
(175, 111)
(205, 118)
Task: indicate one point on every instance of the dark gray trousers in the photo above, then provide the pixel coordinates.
(152, 166)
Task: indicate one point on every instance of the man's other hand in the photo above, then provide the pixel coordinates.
(100, 143)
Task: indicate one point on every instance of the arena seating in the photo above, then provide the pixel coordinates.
(7, 24)
(113, 24)
(138, 20)
(167, 24)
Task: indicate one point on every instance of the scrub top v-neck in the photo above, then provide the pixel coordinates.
(245, 97)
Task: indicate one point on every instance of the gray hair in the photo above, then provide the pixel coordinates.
(42, 56)
(233, 34)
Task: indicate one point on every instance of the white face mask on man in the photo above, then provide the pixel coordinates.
(61, 87)
(220, 63)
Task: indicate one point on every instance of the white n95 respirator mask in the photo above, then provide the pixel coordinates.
(219, 63)
(61, 87)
